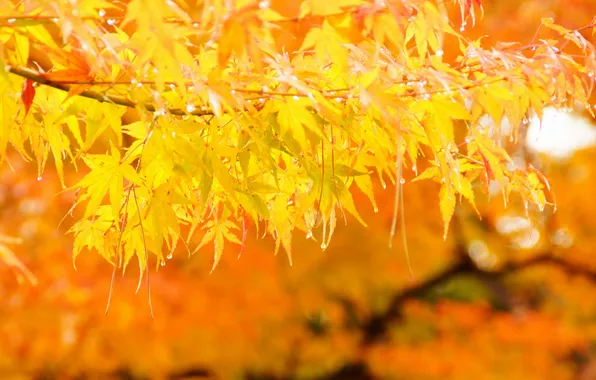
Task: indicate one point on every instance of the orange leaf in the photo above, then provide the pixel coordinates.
(232, 41)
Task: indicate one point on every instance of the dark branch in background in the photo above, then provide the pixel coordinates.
(376, 327)
(547, 258)
(193, 373)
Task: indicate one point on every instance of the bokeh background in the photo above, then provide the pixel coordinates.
(508, 296)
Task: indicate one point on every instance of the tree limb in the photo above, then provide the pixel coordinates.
(377, 325)
(103, 98)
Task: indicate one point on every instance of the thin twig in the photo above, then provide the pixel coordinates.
(398, 165)
(103, 98)
(403, 226)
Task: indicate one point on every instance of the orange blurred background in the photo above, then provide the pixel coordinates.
(505, 297)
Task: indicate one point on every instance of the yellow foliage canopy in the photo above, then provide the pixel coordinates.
(214, 115)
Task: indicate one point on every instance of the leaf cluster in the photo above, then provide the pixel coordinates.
(223, 116)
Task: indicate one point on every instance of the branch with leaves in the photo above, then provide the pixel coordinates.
(358, 94)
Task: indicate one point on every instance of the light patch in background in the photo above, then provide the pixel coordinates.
(526, 240)
(561, 133)
(563, 238)
(481, 255)
(507, 224)
(520, 230)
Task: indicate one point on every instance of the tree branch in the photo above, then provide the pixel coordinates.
(40, 78)
(103, 98)
(377, 325)
(548, 258)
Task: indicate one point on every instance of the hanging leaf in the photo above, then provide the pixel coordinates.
(28, 94)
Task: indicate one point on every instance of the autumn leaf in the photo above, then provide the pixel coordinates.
(447, 204)
(28, 94)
